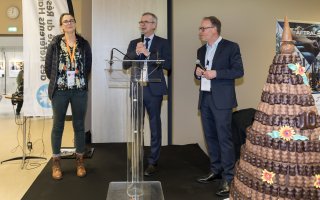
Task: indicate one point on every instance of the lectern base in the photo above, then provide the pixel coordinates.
(152, 190)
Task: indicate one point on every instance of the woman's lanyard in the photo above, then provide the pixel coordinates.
(71, 74)
(71, 55)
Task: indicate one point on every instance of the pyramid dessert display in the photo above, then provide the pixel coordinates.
(281, 157)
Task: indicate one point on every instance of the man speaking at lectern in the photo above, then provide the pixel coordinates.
(151, 47)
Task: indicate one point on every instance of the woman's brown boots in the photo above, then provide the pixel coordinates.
(56, 167)
(81, 171)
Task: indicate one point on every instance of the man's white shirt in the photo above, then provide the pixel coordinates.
(211, 50)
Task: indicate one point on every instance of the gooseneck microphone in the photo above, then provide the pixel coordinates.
(111, 60)
(111, 57)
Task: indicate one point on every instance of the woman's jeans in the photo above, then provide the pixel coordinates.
(60, 101)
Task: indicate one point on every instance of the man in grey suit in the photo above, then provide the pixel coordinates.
(220, 64)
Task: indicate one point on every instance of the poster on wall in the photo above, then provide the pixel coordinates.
(306, 36)
(2, 68)
(14, 68)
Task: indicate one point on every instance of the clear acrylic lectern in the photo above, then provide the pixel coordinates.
(133, 79)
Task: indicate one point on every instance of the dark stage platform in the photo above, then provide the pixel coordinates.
(179, 166)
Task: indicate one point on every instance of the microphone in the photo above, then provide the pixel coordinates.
(141, 56)
(198, 64)
(126, 57)
(111, 60)
(157, 62)
(111, 57)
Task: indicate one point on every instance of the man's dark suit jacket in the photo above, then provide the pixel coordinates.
(159, 50)
(228, 64)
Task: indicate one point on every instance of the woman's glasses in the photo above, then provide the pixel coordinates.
(71, 21)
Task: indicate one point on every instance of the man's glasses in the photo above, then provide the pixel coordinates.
(145, 22)
(71, 21)
(202, 29)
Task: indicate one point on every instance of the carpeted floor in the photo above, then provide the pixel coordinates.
(179, 166)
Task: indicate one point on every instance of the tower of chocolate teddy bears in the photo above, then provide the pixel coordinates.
(281, 157)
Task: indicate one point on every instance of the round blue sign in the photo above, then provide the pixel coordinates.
(42, 96)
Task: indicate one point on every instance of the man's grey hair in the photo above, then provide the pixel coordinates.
(155, 18)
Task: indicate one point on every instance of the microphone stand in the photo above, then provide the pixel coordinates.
(24, 157)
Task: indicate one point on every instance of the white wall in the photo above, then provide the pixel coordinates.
(114, 24)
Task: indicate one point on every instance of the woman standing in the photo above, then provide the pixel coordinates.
(67, 66)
